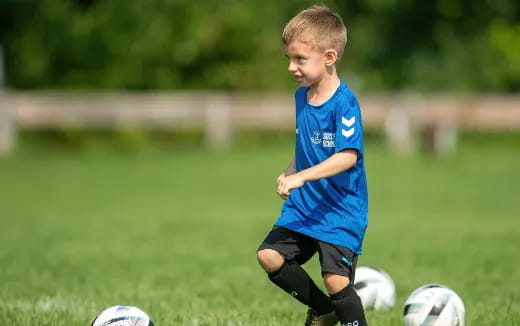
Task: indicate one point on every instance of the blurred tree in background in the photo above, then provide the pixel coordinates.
(394, 45)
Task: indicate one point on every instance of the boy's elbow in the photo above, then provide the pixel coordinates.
(350, 157)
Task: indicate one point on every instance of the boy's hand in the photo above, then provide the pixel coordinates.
(286, 183)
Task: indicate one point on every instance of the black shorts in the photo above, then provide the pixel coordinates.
(300, 248)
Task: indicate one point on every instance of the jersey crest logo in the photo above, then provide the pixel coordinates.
(316, 137)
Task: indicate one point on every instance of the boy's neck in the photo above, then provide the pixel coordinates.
(322, 91)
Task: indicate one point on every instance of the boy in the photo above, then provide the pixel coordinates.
(324, 185)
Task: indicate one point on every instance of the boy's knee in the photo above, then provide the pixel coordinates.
(270, 260)
(335, 282)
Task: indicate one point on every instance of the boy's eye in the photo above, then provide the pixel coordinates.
(297, 58)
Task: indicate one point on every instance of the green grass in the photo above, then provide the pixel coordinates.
(175, 234)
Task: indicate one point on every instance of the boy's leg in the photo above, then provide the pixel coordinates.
(295, 249)
(294, 280)
(338, 265)
(348, 307)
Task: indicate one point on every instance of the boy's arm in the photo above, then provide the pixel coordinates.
(291, 169)
(335, 164)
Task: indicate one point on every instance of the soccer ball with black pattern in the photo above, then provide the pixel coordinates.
(375, 288)
(434, 305)
(122, 316)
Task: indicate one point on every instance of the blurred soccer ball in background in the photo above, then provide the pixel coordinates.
(434, 305)
(375, 288)
(122, 316)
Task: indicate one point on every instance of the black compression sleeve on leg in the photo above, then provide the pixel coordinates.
(348, 307)
(294, 280)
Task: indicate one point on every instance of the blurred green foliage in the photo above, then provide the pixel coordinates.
(394, 45)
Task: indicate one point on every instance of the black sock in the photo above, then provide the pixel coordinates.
(348, 307)
(295, 281)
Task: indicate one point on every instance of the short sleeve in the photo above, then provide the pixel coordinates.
(349, 130)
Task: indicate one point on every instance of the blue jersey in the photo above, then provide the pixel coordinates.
(333, 209)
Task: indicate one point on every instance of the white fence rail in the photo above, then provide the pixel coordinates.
(221, 113)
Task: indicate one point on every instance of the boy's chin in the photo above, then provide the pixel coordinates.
(303, 82)
(306, 83)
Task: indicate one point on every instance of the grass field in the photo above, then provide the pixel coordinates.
(175, 234)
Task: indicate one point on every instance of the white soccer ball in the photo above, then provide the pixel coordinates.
(434, 305)
(375, 288)
(122, 316)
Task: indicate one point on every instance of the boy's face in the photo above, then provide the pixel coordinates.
(307, 64)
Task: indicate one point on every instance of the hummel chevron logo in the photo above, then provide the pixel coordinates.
(348, 122)
(347, 133)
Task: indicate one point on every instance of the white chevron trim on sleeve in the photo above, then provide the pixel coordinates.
(348, 122)
(347, 133)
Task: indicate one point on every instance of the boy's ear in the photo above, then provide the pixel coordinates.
(331, 56)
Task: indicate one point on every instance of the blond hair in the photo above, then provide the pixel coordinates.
(318, 26)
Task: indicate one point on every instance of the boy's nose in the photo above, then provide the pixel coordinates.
(292, 67)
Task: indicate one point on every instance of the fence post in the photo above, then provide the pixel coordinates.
(218, 121)
(441, 137)
(400, 129)
(7, 128)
